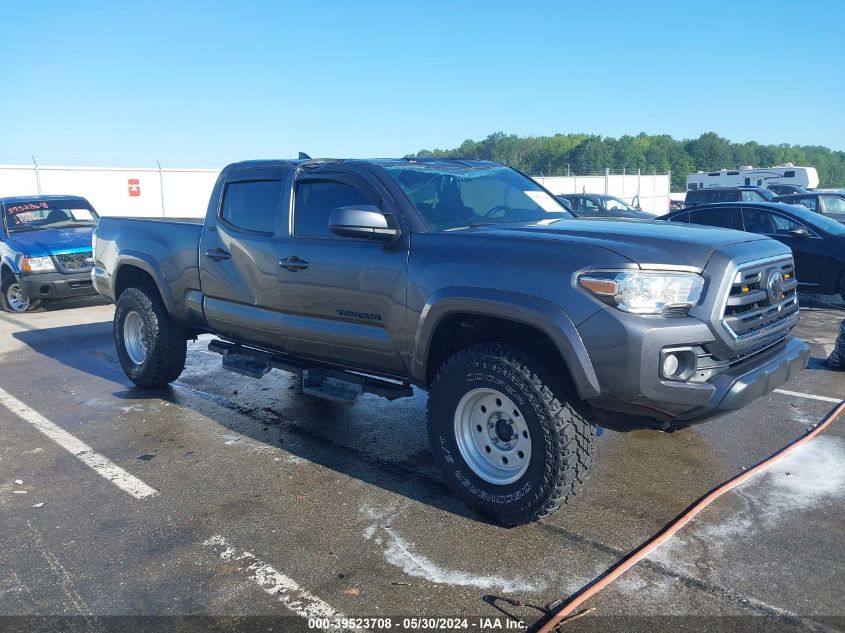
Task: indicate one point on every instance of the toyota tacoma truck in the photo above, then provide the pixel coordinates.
(45, 250)
(528, 327)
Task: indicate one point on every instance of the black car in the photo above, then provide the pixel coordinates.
(786, 190)
(709, 195)
(817, 242)
(830, 204)
(595, 205)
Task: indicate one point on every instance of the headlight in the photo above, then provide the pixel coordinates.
(644, 292)
(37, 265)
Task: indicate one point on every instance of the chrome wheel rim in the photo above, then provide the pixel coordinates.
(492, 436)
(135, 338)
(16, 299)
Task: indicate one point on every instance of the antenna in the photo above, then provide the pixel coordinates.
(304, 156)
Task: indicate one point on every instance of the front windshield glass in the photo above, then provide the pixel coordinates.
(615, 204)
(452, 196)
(40, 214)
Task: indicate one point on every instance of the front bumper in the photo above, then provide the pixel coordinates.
(57, 285)
(763, 374)
(625, 351)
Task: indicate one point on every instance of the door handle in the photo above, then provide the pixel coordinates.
(217, 254)
(293, 263)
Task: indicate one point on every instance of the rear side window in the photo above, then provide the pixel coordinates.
(315, 201)
(724, 218)
(751, 196)
(681, 217)
(251, 205)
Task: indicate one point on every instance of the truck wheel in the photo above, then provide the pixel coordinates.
(512, 443)
(13, 298)
(150, 346)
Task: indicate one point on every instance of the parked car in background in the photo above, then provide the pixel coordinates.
(817, 242)
(565, 202)
(45, 250)
(785, 190)
(830, 204)
(728, 194)
(594, 205)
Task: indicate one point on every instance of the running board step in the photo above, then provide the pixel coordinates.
(319, 379)
(245, 365)
(316, 383)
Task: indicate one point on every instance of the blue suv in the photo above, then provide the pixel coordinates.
(45, 250)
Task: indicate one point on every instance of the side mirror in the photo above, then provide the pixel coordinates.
(363, 222)
(801, 233)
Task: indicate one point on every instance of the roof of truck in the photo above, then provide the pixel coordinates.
(378, 161)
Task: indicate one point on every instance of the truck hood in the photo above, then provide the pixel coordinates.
(45, 242)
(641, 241)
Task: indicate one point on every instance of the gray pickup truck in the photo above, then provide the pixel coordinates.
(528, 327)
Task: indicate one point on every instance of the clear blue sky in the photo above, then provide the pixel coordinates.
(206, 83)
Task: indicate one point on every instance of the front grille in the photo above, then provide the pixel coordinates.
(72, 262)
(763, 299)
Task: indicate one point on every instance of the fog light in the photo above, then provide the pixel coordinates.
(678, 364)
(670, 365)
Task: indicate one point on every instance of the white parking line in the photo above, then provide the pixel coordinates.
(79, 449)
(275, 583)
(809, 396)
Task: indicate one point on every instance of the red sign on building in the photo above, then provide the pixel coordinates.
(134, 187)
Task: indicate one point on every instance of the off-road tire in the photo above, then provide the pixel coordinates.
(166, 341)
(561, 426)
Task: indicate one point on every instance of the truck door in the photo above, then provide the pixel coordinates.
(238, 263)
(344, 298)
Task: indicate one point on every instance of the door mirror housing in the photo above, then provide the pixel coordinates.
(362, 221)
(801, 233)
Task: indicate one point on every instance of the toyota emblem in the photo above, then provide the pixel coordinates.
(774, 286)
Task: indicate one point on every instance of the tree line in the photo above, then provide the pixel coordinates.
(584, 154)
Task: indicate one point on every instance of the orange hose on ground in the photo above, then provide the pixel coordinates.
(567, 609)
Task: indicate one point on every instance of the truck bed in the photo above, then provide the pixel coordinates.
(165, 248)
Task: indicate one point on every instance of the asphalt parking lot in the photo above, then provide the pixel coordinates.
(244, 498)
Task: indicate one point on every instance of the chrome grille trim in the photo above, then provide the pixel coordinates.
(753, 320)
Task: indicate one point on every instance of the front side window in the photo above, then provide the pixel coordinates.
(766, 223)
(251, 205)
(314, 202)
(450, 196)
(41, 214)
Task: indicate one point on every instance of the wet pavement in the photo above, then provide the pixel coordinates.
(271, 503)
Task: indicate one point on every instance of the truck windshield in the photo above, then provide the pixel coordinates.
(40, 214)
(452, 196)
